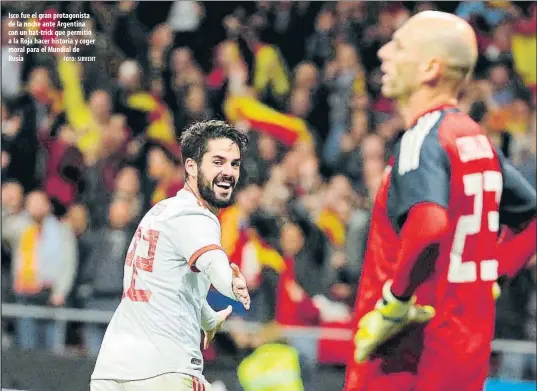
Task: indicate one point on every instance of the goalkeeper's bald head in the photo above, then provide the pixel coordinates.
(432, 48)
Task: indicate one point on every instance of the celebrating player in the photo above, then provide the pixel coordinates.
(153, 340)
(425, 309)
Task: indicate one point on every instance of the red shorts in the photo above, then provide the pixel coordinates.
(433, 365)
(370, 377)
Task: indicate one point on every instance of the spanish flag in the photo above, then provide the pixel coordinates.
(268, 256)
(159, 116)
(284, 127)
(237, 241)
(330, 223)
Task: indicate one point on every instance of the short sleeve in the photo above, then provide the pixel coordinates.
(193, 235)
(421, 173)
(518, 203)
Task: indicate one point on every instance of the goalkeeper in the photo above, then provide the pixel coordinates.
(425, 308)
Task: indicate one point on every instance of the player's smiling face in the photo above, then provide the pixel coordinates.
(218, 172)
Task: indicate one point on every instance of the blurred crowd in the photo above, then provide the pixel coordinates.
(88, 148)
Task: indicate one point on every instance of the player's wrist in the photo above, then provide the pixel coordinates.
(209, 324)
(392, 306)
(403, 299)
(400, 290)
(209, 318)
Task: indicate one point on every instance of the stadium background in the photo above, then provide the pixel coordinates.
(100, 139)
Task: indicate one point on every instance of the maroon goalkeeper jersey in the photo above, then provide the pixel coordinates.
(445, 158)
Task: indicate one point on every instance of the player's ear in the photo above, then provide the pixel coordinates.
(191, 167)
(430, 70)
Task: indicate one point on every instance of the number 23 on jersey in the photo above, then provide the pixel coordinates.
(476, 185)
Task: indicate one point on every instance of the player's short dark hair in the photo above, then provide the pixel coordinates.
(195, 139)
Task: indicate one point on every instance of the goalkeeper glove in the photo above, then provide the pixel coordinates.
(389, 317)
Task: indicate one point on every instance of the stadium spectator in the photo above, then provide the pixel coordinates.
(41, 275)
(165, 169)
(14, 219)
(102, 276)
(319, 46)
(12, 210)
(64, 168)
(77, 219)
(128, 188)
(13, 84)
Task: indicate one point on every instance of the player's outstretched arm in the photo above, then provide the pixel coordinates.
(225, 277)
(200, 245)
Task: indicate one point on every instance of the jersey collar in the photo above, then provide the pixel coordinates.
(443, 106)
(200, 202)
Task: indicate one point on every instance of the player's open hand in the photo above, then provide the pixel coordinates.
(209, 334)
(240, 289)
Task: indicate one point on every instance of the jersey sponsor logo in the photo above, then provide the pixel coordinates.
(412, 141)
(195, 361)
(474, 148)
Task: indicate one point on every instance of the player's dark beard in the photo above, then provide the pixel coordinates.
(206, 190)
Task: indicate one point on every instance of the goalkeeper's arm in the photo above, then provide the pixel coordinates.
(424, 228)
(515, 250)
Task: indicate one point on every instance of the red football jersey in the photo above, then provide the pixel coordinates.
(446, 159)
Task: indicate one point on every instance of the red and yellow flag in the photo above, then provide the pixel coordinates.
(284, 127)
(160, 118)
(330, 223)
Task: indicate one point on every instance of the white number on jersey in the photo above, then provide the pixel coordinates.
(475, 185)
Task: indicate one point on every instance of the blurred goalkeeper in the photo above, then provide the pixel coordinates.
(153, 340)
(425, 307)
